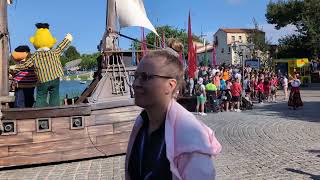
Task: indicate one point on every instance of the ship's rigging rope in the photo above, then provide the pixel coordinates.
(136, 40)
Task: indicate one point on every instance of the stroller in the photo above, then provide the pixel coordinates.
(212, 104)
(246, 104)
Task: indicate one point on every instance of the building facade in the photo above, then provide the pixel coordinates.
(205, 53)
(224, 40)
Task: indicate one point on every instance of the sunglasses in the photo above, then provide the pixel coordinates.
(143, 76)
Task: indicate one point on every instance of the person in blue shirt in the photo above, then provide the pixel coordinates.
(222, 85)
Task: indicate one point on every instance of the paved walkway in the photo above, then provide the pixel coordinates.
(269, 142)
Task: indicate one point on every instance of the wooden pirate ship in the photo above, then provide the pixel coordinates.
(97, 124)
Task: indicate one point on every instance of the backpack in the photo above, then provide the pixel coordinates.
(198, 91)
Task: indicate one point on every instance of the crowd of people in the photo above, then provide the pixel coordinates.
(314, 66)
(231, 88)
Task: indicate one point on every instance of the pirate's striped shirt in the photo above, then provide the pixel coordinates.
(47, 63)
(26, 78)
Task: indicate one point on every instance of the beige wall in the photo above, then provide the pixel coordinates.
(225, 56)
(225, 41)
(244, 37)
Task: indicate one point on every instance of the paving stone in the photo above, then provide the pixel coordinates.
(268, 142)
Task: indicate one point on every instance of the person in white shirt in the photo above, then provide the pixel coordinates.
(191, 83)
(249, 69)
(238, 76)
(295, 98)
(215, 70)
(201, 97)
(285, 87)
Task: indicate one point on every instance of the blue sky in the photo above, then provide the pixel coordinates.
(85, 20)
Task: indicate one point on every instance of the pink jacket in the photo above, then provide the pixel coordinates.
(190, 144)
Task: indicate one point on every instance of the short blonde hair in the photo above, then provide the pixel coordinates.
(170, 60)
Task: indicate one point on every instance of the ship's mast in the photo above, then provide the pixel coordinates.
(110, 37)
(4, 52)
(4, 55)
(111, 15)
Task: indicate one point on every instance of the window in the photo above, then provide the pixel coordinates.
(222, 50)
(240, 38)
(233, 38)
(9, 127)
(229, 51)
(216, 40)
(77, 122)
(43, 125)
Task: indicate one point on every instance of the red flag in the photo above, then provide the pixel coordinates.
(191, 52)
(190, 62)
(195, 59)
(190, 43)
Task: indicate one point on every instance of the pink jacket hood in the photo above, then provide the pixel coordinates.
(183, 134)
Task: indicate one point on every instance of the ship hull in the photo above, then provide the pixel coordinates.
(68, 133)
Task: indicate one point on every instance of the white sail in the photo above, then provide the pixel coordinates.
(133, 13)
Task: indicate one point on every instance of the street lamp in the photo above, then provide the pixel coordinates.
(239, 49)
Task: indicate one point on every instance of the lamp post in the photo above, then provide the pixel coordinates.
(204, 59)
(239, 49)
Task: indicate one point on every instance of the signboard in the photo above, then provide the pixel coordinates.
(253, 63)
(302, 62)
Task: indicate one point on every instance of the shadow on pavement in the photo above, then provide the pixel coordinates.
(314, 86)
(312, 176)
(309, 112)
(314, 152)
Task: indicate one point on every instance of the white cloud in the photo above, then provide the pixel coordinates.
(274, 35)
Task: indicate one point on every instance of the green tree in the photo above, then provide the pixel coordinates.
(169, 32)
(305, 15)
(293, 46)
(261, 44)
(89, 61)
(69, 55)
